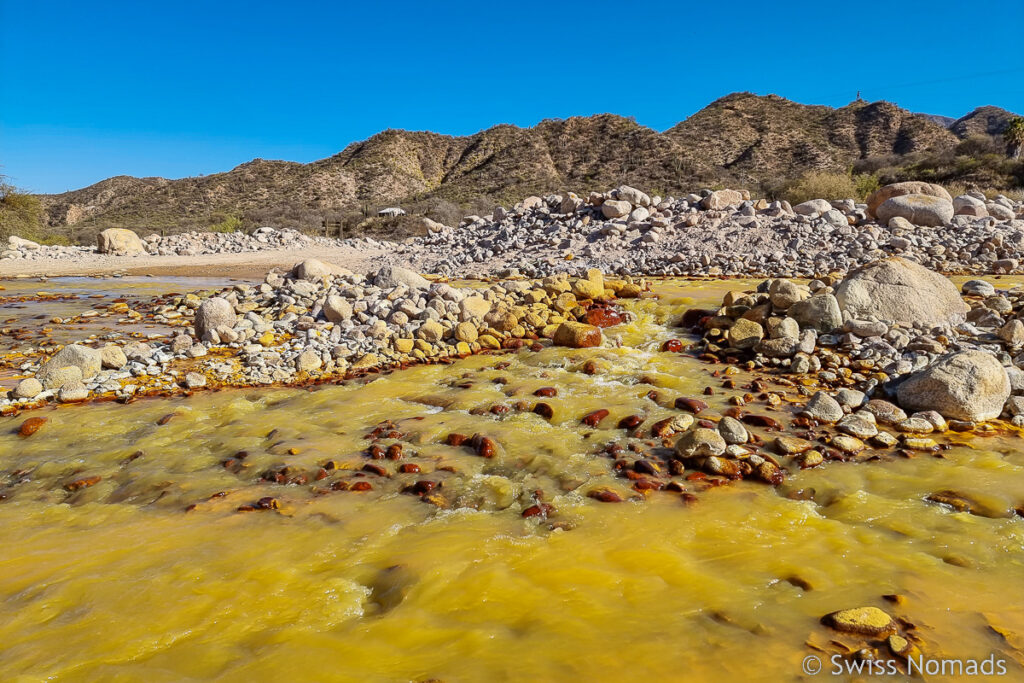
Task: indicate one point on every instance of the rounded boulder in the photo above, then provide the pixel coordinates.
(899, 189)
(969, 385)
(919, 209)
(898, 290)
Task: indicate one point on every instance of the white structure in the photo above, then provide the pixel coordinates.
(391, 212)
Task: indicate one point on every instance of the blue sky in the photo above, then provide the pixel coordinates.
(91, 90)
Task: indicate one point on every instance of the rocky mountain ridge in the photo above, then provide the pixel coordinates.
(741, 139)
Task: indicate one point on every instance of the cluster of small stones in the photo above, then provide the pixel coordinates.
(725, 232)
(318, 322)
(870, 386)
(184, 244)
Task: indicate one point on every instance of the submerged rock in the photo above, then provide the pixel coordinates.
(867, 621)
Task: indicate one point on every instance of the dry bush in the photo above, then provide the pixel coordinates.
(21, 214)
(444, 212)
(821, 185)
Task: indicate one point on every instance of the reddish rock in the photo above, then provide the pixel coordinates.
(692, 405)
(31, 426)
(600, 316)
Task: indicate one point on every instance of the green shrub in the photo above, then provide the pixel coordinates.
(228, 223)
(866, 183)
(820, 185)
(21, 214)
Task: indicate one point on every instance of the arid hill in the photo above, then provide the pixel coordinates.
(741, 139)
(985, 120)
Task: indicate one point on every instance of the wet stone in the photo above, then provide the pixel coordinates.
(867, 621)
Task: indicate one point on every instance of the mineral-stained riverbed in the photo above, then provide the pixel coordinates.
(125, 555)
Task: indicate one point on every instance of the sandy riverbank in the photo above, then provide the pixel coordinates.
(245, 265)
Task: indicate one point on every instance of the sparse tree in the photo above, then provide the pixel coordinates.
(20, 213)
(1014, 137)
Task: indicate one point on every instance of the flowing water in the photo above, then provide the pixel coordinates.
(152, 573)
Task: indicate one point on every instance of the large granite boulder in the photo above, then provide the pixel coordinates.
(633, 196)
(722, 199)
(615, 208)
(898, 290)
(966, 205)
(919, 209)
(899, 189)
(969, 385)
(119, 242)
(315, 269)
(820, 312)
(392, 276)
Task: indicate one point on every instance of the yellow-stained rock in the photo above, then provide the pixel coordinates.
(577, 335)
(489, 342)
(370, 360)
(564, 302)
(466, 332)
(588, 289)
(630, 291)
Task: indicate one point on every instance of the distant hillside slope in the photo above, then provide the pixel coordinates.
(985, 120)
(741, 139)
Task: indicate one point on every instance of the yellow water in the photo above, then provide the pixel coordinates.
(118, 582)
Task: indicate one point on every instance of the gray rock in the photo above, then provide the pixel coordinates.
(700, 442)
(733, 431)
(72, 391)
(722, 199)
(314, 269)
(88, 361)
(211, 314)
(819, 312)
(812, 207)
(968, 385)
(112, 357)
(898, 290)
(823, 408)
(194, 380)
(337, 309)
(28, 388)
(615, 208)
(392, 276)
(919, 209)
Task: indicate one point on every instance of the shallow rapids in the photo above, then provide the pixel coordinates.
(128, 553)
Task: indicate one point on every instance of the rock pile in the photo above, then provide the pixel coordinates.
(725, 232)
(891, 329)
(318, 321)
(721, 232)
(122, 242)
